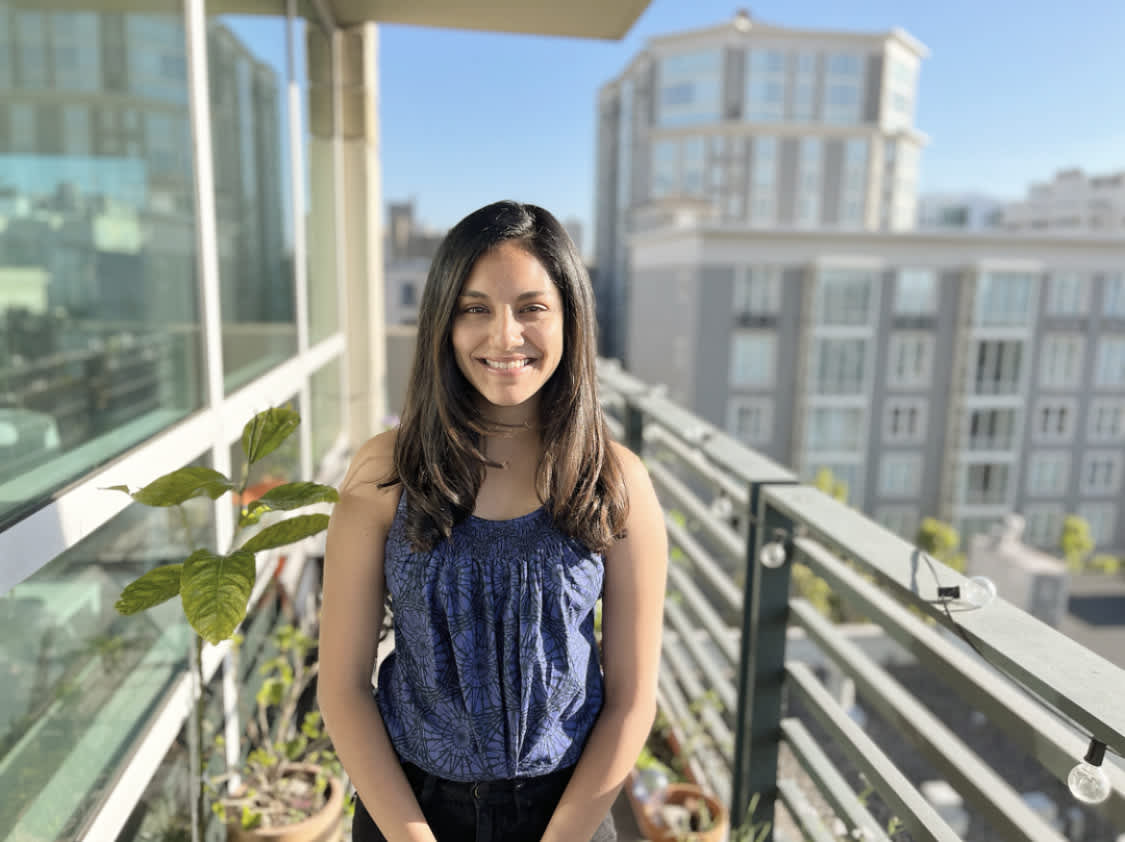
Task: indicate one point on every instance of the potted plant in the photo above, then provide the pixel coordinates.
(290, 784)
(669, 804)
(214, 587)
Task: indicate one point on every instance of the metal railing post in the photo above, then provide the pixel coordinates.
(761, 671)
(634, 419)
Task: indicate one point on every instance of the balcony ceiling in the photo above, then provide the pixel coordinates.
(609, 19)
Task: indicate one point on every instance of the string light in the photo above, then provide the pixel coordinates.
(977, 591)
(1088, 781)
(772, 555)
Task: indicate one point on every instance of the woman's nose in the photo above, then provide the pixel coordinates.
(509, 331)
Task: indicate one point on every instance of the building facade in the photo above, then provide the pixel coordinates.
(190, 232)
(772, 127)
(959, 211)
(957, 376)
(1071, 202)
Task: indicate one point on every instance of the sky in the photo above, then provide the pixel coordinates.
(1012, 91)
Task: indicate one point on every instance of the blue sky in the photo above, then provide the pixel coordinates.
(1012, 91)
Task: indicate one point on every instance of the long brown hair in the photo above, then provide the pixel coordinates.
(439, 457)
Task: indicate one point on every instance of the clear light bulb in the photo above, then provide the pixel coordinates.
(978, 591)
(1088, 781)
(772, 555)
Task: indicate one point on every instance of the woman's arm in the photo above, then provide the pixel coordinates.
(351, 617)
(632, 617)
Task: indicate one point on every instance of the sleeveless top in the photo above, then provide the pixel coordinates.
(495, 672)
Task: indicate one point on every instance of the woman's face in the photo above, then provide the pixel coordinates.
(508, 331)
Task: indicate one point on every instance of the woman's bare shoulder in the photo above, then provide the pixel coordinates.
(363, 486)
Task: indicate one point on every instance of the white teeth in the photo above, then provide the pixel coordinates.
(507, 365)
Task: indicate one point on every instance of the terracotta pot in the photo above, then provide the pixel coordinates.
(322, 826)
(647, 813)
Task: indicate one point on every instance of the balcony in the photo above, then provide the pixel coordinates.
(932, 719)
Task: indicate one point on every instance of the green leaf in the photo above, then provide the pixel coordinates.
(286, 532)
(293, 495)
(215, 590)
(124, 488)
(156, 586)
(265, 432)
(181, 485)
(251, 819)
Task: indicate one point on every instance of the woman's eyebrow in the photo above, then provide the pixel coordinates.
(523, 296)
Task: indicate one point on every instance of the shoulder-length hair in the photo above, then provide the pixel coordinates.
(439, 457)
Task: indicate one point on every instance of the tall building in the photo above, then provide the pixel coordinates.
(190, 232)
(1071, 202)
(409, 249)
(962, 376)
(770, 127)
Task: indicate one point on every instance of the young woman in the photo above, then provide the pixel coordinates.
(495, 516)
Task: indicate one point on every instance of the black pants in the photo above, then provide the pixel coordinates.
(492, 811)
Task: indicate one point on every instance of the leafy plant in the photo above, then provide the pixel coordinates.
(276, 789)
(214, 587)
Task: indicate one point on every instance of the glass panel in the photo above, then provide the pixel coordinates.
(99, 312)
(320, 223)
(253, 205)
(327, 409)
(81, 682)
(690, 88)
(1005, 299)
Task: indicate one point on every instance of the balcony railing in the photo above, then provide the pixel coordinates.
(737, 683)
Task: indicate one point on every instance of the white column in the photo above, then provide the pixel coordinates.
(365, 327)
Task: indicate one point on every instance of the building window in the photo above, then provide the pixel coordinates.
(1048, 474)
(1102, 518)
(765, 85)
(1061, 364)
(1110, 370)
(999, 367)
(992, 429)
(1054, 421)
(757, 290)
(809, 182)
(986, 484)
(803, 103)
(1113, 302)
(750, 420)
(916, 292)
(841, 366)
(1043, 526)
(901, 520)
(665, 168)
(1068, 294)
(843, 89)
(752, 359)
(904, 422)
(1004, 299)
(853, 190)
(690, 88)
(910, 358)
(1107, 421)
(1101, 472)
(763, 195)
(900, 475)
(845, 297)
(409, 295)
(835, 430)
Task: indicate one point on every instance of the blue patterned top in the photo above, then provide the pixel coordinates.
(495, 672)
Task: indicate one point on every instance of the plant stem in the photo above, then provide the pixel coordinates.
(195, 741)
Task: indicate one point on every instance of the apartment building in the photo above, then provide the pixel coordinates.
(773, 127)
(190, 232)
(1071, 201)
(957, 375)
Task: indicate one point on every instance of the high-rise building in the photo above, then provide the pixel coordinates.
(768, 126)
(961, 376)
